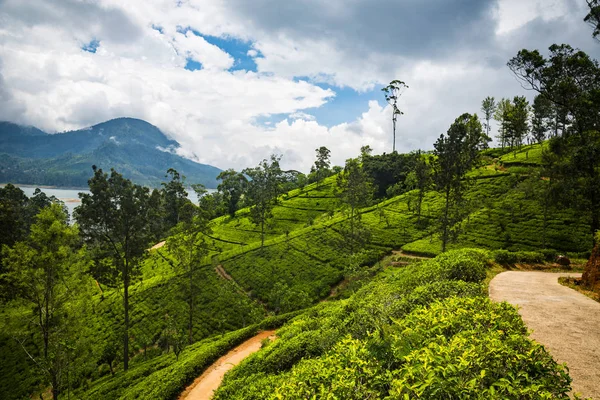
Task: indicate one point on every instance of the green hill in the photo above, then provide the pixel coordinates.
(304, 257)
(139, 150)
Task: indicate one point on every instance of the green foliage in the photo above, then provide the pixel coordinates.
(414, 332)
(530, 257)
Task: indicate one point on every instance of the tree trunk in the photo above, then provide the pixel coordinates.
(394, 123)
(445, 221)
(191, 304)
(54, 387)
(126, 309)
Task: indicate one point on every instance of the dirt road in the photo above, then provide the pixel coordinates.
(204, 386)
(566, 322)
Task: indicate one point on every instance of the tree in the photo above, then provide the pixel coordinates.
(174, 197)
(422, 180)
(488, 107)
(173, 337)
(355, 191)
(392, 93)
(502, 115)
(114, 221)
(570, 80)
(233, 186)
(322, 163)
(263, 189)
(593, 16)
(455, 154)
(518, 121)
(45, 271)
(185, 249)
(541, 118)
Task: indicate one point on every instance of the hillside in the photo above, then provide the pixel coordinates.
(139, 150)
(305, 260)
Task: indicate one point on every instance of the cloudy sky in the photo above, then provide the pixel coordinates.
(236, 80)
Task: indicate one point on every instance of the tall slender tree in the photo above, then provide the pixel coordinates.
(392, 94)
(502, 115)
(488, 108)
(114, 221)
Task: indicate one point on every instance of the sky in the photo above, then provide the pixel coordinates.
(234, 81)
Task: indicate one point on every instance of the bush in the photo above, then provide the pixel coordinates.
(530, 257)
(505, 257)
(465, 265)
(549, 254)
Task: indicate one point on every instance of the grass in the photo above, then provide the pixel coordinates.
(304, 258)
(574, 283)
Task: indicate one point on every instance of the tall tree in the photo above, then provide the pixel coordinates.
(422, 179)
(263, 189)
(541, 118)
(392, 94)
(570, 79)
(488, 108)
(455, 154)
(186, 248)
(174, 197)
(355, 191)
(233, 186)
(518, 121)
(502, 115)
(322, 163)
(45, 271)
(114, 220)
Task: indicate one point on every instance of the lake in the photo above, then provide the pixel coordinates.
(71, 196)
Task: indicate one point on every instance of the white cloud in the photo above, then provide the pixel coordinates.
(450, 64)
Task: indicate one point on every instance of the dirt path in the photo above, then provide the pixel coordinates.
(158, 245)
(221, 271)
(566, 322)
(209, 381)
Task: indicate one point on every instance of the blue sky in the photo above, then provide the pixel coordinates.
(234, 81)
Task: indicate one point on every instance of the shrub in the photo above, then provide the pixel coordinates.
(505, 257)
(530, 257)
(549, 254)
(465, 265)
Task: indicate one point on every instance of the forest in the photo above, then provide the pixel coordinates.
(375, 273)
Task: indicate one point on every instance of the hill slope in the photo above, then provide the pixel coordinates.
(137, 149)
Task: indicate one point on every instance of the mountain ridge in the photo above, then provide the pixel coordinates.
(133, 147)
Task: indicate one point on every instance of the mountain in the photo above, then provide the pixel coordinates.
(135, 148)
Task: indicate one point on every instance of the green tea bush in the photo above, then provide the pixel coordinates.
(467, 265)
(549, 254)
(505, 257)
(465, 347)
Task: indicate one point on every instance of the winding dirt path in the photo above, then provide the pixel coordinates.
(204, 386)
(565, 321)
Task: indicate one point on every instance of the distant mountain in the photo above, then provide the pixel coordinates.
(135, 148)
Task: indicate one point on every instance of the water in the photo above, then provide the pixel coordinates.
(71, 196)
